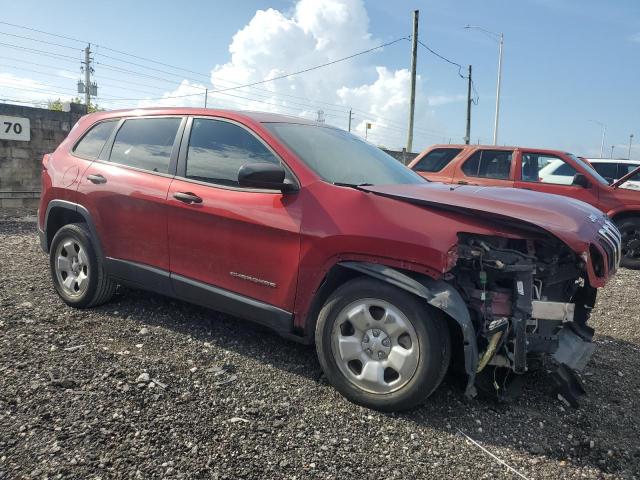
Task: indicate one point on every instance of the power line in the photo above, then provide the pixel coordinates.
(236, 85)
(349, 57)
(220, 90)
(477, 97)
(444, 58)
(43, 32)
(39, 52)
(38, 40)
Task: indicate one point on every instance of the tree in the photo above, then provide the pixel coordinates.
(55, 105)
(93, 107)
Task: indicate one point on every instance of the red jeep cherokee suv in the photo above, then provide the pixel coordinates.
(324, 238)
(549, 171)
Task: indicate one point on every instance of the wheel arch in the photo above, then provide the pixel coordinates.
(437, 293)
(60, 213)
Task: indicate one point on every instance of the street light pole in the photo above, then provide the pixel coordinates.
(612, 147)
(500, 38)
(604, 133)
(497, 117)
(630, 141)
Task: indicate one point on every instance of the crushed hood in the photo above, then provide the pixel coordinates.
(572, 221)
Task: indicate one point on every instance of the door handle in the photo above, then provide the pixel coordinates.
(96, 179)
(187, 197)
(464, 182)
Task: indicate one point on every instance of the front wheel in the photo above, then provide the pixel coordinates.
(380, 346)
(630, 231)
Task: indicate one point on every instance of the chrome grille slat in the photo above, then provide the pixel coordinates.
(611, 241)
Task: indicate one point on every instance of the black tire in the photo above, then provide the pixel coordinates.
(630, 229)
(432, 335)
(99, 288)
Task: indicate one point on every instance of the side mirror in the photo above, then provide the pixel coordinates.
(581, 180)
(264, 175)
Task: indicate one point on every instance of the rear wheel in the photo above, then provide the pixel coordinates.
(630, 231)
(77, 273)
(380, 346)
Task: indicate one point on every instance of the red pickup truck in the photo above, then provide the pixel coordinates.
(549, 171)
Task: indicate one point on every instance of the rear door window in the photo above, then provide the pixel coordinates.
(146, 143)
(544, 168)
(489, 164)
(436, 159)
(94, 140)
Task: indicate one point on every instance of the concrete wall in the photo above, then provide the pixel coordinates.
(20, 160)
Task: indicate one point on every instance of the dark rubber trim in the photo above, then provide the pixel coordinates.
(233, 304)
(87, 218)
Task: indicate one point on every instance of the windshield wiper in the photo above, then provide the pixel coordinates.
(353, 185)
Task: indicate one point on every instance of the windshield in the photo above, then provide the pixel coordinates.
(340, 157)
(587, 166)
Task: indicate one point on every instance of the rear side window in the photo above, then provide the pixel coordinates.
(489, 164)
(436, 159)
(608, 170)
(93, 141)
(543, 168)
(217, 150)
(145, 143)
(628, 168)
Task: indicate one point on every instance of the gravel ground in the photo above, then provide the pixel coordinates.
(149, 387)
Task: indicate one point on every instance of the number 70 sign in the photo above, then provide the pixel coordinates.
(15, 128)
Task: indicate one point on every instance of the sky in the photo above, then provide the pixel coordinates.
(570, 66)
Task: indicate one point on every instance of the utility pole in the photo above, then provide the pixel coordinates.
(414, 61)
(350, 118)
(87, 76)
(500, 38)
(467, 137)
(206, 95)
(630, 141)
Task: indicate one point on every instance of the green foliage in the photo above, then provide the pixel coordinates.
(55, 105)
(58, 105)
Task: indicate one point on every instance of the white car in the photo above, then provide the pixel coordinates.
(557, 172)
(612, 170)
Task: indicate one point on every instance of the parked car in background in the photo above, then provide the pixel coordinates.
(613, 170)
(549, 171)
(309, 230)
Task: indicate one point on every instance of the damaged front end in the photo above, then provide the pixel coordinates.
(529, 300)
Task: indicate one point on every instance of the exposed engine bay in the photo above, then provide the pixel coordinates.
(529, 301)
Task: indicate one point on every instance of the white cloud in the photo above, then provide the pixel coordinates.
(318, 31)
(68, 74)
(22, 88)
(187, 94)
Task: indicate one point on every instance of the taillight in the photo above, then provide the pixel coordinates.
(45, 161)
